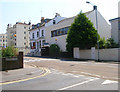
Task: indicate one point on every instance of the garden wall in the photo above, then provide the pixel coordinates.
(112, 54)
(12, 63)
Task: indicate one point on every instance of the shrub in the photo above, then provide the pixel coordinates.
(109, 43)
(54, 49)
(9, 52)
(102, 43)
(0, 53)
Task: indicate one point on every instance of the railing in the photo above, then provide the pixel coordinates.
(36, 51)
(42, 37)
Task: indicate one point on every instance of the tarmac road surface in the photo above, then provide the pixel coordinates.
(67, 75)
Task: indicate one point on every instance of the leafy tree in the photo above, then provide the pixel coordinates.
(54, 49)
(81, 34)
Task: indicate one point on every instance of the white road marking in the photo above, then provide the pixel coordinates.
(36, 71)
(78, 84)
(109, 82)
(91, 74)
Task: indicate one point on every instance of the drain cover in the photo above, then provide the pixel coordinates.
(71, 65)
(29, 74)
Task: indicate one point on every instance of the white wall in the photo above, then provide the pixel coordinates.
(103, 27)
(119, 9)
(57, 19)
(104, 54)
(114, 30)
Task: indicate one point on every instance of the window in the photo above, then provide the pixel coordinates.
(33, 45)
(24, 43)
(3, 36)
(24, 27)
(53, 21)
(24, 37)
(37, 33)
(33, 35)
(42, 32)
(6, 40)
(15, 43)
(3, 40)
(59, 32)
(24, 32)
(14, 26)
(43, 41)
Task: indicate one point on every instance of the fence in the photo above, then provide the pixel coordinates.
(12, 63)
(112, 54)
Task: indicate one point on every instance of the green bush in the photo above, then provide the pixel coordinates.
(102, 43)
(109, 43)
(0, 53)
(9, 52)
(54, 49)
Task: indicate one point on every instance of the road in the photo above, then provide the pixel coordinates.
(60, 78)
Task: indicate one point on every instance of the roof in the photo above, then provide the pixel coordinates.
(41, 24)
(115, 19)
(75, 16)
(21, 23)
(69, 20)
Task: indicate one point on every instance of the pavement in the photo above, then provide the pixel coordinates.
(23, 74)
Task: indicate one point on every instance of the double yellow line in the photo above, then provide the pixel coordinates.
(44, 74)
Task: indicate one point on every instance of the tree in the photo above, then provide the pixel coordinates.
(81, 34)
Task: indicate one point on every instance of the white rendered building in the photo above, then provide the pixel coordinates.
(3, 40)
(59, 30)
(18, 36)
(55, 31)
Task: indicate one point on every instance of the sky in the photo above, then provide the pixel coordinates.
(12, 11)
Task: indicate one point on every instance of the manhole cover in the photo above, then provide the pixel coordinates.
(72, 65)
(29, 74)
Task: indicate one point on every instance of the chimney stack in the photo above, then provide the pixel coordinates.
(57, 14)
(94, 7)
(42, 19)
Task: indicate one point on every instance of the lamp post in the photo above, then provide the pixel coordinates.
(56, 47)
(95, 8)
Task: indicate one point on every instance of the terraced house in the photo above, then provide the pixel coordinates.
(55, 31)
(38, 34)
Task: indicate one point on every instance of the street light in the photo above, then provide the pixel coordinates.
(56, 47)
(95, 8)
